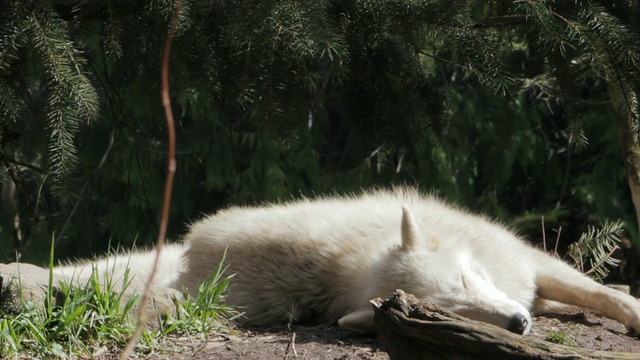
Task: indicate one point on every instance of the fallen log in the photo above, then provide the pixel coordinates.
(411, 330)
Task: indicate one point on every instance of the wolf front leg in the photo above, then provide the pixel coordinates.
(360, 320)
(557, 281)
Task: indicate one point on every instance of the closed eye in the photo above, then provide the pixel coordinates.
(464, 283)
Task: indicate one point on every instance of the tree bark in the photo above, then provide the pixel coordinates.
(625, 106)
(411, 330)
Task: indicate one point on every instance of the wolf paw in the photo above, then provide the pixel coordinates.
(359, 320)
(634, 326)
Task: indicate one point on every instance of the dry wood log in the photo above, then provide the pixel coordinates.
(411, 330)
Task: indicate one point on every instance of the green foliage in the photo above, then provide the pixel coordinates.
(597, 245)
(207, 312)
(559, 337)
(85, 319)
(503, 107)
(67, 94)
(77, 319)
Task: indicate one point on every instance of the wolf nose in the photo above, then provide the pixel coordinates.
(518, 324)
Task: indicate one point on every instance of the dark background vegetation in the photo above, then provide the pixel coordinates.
(511, 108)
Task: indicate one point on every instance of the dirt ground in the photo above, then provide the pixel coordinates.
(318, 342)
(587, 331)
(329, 342)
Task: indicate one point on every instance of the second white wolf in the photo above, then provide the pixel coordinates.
(322, 260)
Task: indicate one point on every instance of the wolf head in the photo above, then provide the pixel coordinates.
(451, 278)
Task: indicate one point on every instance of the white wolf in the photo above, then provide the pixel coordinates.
(322, 260)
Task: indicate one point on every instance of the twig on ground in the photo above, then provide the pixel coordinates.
(555, 250)
(291, 347)
(544, 236)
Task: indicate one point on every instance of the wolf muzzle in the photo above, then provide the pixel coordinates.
(518, 324)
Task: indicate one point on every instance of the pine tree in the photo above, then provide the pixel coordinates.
(274, 98)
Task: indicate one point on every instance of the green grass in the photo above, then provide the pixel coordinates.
(78, 320)
(204, 313)
(559, 337)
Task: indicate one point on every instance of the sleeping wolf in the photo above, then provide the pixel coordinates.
(322, 260)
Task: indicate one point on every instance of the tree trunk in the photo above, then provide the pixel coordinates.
(408, 329)
(625, 106)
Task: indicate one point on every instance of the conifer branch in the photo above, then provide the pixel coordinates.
(597, 246)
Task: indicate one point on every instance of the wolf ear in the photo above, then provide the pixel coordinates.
(411, 237)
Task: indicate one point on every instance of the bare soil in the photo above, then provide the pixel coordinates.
(330, 342)
(587, 330)
(299, 342)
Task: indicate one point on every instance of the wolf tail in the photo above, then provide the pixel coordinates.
(131, 269)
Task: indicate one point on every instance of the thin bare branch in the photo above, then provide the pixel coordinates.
(171, 169)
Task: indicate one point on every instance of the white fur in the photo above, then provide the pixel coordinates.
(135, 265)
(322, 260)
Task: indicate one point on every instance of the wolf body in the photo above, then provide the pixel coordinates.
(322, 260)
